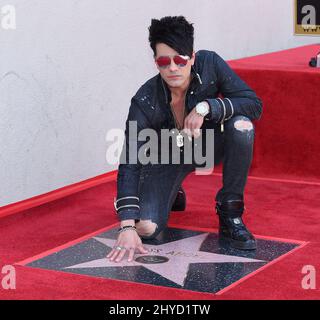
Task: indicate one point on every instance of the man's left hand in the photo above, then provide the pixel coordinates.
(193, 123)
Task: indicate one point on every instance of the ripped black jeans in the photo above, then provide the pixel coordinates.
(159, 183)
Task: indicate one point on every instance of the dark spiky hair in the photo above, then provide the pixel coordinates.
(175, 31)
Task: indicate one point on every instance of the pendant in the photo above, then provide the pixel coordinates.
(179, 140)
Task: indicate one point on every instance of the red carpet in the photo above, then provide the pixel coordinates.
(287, 137)
(287, 148)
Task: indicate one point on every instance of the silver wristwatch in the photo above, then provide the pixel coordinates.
(202, 108)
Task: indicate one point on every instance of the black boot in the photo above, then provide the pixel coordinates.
(231, 226)
(180, 201)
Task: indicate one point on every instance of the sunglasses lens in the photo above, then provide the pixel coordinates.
(163, 62)
(180, 61)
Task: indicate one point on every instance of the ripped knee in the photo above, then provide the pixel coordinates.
(243, 125)
(146, 228)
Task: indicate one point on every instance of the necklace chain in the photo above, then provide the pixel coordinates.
(176, 122)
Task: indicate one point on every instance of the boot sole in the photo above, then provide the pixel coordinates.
(239, 244)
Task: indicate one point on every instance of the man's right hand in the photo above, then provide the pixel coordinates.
(130, 241)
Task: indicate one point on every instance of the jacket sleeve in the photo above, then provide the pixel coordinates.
(238, 97)
(127, 202)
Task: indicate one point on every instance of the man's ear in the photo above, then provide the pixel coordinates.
(156, 65)
(193, 57)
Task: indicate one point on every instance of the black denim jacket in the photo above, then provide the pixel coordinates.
(150, 108)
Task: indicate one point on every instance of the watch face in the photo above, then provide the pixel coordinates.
(201, 108)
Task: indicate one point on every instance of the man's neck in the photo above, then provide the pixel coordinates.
(179, 92)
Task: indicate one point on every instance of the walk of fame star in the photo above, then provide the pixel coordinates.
(180, 258)
(180, 254)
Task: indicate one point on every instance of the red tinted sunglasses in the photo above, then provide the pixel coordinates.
(179, 60)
